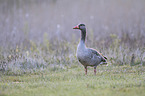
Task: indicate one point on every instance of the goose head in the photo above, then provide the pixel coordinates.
(80, 27)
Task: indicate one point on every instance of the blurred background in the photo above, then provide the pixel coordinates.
(24, 20)
(114, 27)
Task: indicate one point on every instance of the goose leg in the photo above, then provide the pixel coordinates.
(94, 70)
(86, 70)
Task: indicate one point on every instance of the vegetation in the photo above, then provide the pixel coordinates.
(110, 80)
(38, 47)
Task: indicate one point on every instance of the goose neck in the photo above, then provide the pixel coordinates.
(83, 35)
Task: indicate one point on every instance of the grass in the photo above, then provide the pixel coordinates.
(52, 69)
(38, 47)
(109, 81)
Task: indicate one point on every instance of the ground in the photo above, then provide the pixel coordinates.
(109, 81)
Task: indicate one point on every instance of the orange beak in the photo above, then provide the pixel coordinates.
(76, 27)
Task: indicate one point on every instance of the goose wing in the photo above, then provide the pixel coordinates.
(93, 51)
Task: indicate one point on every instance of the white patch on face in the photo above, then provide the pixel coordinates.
(82, 27)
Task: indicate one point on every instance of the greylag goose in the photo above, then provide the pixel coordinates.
(88, 56)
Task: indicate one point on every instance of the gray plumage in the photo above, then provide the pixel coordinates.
(87, 56)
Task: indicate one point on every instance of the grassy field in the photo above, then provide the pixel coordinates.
(109, 81)
(38, 47)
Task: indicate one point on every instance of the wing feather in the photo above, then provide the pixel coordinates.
(98, 54)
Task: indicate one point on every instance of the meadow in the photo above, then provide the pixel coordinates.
(109, 81)
(38, 47)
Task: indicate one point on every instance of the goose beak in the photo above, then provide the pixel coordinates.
(76, 27)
